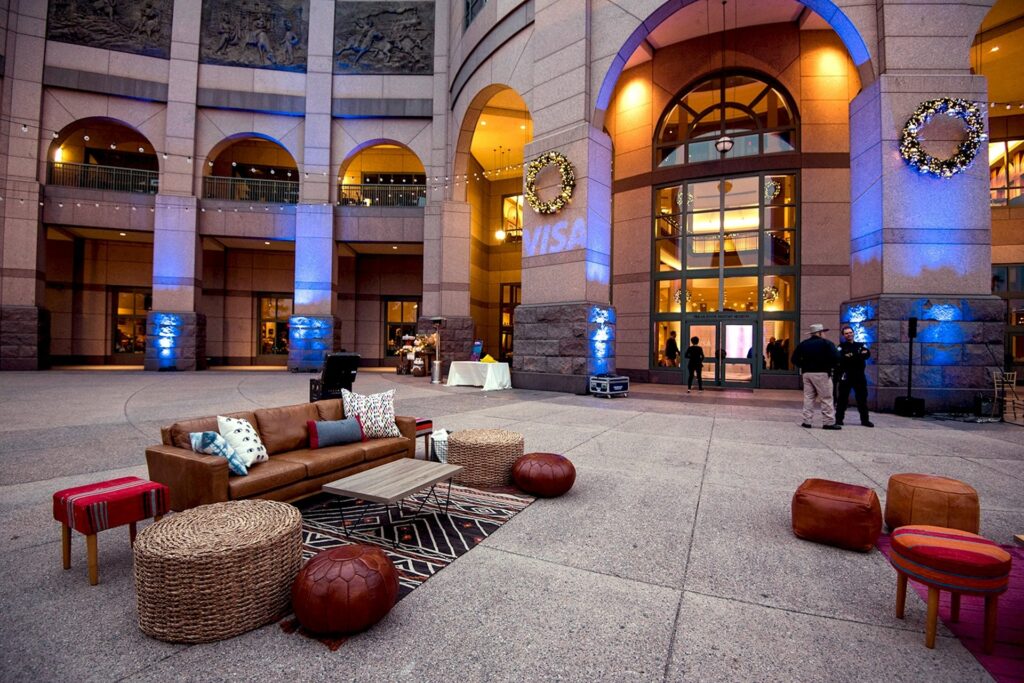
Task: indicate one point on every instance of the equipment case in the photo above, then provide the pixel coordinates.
(609, 385)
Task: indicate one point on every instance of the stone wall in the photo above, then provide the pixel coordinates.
(24, 338)
(558, 346)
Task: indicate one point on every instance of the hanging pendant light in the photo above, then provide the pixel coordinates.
(724, 143)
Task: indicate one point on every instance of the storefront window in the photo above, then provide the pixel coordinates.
(400, 317)
(1006, 173)
(273, 324)
(130, 320)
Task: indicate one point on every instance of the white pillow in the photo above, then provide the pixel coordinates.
(243, 438)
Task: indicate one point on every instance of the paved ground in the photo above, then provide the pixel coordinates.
(671, 559)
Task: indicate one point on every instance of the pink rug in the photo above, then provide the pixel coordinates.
(1006, 663)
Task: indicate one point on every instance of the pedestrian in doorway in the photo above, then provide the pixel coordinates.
(817, 357)
(694, 364)
(672, 350)
(852, 357)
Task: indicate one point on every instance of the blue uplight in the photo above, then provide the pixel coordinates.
(168, 331)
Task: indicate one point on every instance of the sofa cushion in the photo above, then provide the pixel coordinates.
(212, 443)
(284, 429)
(179, 431)
(377, 412)
(334, 432)
(265, 476)
(381, 448)
(243, 437)
(325, 460)
(329, 409)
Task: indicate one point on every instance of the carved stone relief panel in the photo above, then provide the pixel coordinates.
(142, 27)
(263, 34)
(384, 38)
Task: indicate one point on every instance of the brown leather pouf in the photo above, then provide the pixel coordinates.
(544, 474)
(345, 590)
(931, 500)
(831, 512)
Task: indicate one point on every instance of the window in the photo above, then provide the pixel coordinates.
(757, 116)
(511, 296)
(400, 317)
(473, 8)
(1006, 168)
(130, 320)
(511, 218)
(274, 311)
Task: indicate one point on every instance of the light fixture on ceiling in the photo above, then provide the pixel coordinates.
(500, 235)
(482, 122)
(724, 143)
(266, 243)
(393, 246)
(123, 234)
(995, 48)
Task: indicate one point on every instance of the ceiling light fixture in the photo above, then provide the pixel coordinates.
(995, 48)
(724, 143)
(123, 234)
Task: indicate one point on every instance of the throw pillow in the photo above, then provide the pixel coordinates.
(376, 413)
(335, 432)
(243, 438)
(212, 443)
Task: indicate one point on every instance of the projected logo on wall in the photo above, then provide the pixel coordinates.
(554, 238)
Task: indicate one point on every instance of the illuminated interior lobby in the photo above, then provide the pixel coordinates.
(189, 184)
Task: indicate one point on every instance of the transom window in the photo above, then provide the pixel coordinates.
(757, 116)
(1006, 172)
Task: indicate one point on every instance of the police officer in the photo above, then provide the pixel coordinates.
(852, 356)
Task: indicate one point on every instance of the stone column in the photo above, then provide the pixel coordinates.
(446, 243)
(565, 328)
(315, 328)
(24, 321)
(921, 245)
(175, 331)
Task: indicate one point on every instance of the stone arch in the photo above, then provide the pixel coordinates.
(464, 138)
(100, 134)
(235, 138)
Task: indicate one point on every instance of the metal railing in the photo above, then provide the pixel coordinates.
(96, 177)
(251, 190)
(382, 195)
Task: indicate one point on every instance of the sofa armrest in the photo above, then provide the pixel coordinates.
(193, 478)
(407, 425)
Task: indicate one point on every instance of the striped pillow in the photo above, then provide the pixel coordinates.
(376, 412)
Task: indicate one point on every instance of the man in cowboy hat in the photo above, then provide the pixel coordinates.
(817, 357)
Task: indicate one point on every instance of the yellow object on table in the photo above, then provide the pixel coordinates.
(488, 359)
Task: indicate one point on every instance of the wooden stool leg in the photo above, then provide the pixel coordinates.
(901, 593)
(991, 602)
(954, 607)
(90, 545)
(65, 545)
(131, 533)
(933, 617)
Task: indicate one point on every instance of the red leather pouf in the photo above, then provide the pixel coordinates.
(345, 590)
(544, 474)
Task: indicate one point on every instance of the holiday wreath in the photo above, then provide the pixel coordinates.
(914, 154)
(568, 182)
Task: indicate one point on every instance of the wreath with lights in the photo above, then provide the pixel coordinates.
(568, 182)
(910, 145)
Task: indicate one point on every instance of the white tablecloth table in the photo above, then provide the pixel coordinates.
(487, 375)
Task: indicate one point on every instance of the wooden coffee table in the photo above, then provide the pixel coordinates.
(392, 483)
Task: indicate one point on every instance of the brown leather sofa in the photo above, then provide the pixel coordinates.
(293, 470)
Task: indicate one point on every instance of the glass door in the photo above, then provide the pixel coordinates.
(738, 353)
(707, 339)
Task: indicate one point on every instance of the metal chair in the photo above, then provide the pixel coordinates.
(339, 371)
(1006, 397)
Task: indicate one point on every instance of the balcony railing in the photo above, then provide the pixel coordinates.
(251, 190)
(382, 195)
(96, 177)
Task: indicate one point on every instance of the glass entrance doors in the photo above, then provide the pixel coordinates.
(731, 355)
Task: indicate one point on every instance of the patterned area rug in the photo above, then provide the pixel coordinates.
(427, 543)
(1006, 663)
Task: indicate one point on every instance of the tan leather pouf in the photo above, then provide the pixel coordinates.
(931, 500)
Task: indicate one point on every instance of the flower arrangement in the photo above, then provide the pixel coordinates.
(421, 343)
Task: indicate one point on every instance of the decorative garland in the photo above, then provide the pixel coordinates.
(568, 182)
(914, 154)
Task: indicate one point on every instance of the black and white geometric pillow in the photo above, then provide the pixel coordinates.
(376, 411)
(243, 438)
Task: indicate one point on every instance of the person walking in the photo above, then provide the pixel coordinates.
(817, 358)
(852, 357)
(694, 364)
(672, 350)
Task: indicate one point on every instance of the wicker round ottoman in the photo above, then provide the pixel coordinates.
(486, 455)
(345, 590)
(218, 570)
(927, 499)
(544, 474)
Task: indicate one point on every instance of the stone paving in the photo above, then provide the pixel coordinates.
(671, 559)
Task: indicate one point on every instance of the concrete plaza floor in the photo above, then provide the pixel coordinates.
(671, 559)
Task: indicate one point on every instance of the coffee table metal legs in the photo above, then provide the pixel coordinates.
(401, 520)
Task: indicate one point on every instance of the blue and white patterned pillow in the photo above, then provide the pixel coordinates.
(243, 438)
(376, 412)
(212, 443)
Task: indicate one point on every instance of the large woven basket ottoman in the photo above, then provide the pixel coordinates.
(218, 570)
(486, 455)
(956, 561)
(927, 499)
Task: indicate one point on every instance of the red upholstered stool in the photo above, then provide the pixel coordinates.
(424, 428)
(831, 512)
(949, 559)
(544, 474)
(92, 508)
(345, 590)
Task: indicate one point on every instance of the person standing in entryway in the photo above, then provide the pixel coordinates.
(817, 358)
(694, 364)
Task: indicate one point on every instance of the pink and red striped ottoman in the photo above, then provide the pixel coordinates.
(953, 560)
(92, 508)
